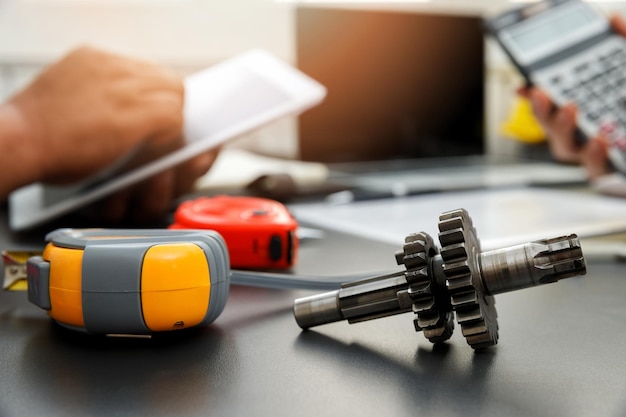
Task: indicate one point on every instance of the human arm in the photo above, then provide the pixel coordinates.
(87, 111)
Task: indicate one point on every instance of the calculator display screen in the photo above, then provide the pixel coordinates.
(555, 27)
(540, 36)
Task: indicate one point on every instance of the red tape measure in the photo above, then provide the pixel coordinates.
(260, 233)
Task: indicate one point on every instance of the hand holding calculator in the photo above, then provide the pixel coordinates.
(570, 50)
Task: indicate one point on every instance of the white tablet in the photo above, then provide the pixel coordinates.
(222, 102)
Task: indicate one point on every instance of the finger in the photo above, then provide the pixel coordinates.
(523, 91)
(565, 123)
(189, 172)
(114, 208)
(595, 158)
(542, 106)
(619, 24)
(152, 198)
(153, 148)
(561, 135)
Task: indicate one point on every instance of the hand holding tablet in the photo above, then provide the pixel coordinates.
(224, 101)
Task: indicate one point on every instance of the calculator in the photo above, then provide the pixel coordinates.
(568, 48)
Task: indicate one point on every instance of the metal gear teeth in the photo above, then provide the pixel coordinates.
(474, 309)
(434, 316)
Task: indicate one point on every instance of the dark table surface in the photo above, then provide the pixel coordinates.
(561, 353)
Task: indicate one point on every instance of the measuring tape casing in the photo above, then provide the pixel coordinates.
(124, 281)
(260, 233)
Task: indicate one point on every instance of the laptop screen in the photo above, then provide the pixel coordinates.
(401, 85)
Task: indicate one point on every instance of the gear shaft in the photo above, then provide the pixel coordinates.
(457, 279)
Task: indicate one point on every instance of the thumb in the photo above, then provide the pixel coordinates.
(595, 158)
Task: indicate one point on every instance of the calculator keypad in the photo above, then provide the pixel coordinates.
(595, 80)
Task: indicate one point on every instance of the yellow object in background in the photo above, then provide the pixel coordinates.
(522, 125)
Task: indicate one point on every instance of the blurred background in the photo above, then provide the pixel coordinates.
(405, 78)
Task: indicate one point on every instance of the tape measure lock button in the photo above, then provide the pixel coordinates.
(38, 271)
(276, 247)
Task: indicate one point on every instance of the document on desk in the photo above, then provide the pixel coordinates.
(502, 217)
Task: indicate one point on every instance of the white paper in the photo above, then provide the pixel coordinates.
(502, 217)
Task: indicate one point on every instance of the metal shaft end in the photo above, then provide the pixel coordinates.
(317, 309)
(532, 264)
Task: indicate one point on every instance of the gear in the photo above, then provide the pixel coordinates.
(475, 310)
(430, 303)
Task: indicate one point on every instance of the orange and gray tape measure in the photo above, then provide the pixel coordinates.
(130, 281)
